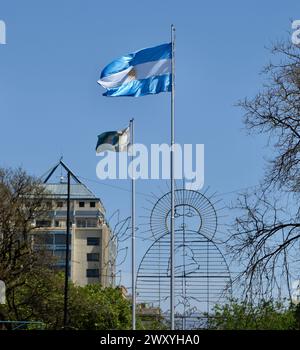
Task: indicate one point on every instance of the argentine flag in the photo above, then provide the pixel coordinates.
(143, 72)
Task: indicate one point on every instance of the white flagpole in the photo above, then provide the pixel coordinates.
(133, 272)
(172, 245)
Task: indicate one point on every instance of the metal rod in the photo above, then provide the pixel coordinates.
(172, 247)
(67, 255)
(133, 230)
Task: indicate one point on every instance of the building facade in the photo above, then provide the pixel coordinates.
(92, 247)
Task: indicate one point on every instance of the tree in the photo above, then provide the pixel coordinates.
(95, 308)
(22, 199)
(265, 236)
(275, 112)
(262, 316)
(91, 307)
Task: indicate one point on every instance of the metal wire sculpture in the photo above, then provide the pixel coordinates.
(202, 277)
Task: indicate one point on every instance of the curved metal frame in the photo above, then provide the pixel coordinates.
(202, 275)
(194, 199)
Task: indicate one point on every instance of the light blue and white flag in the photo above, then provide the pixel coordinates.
(143, 72)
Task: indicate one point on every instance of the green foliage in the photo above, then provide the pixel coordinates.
(266, 315)
(91, 307)
(94, 308)
(151, 323)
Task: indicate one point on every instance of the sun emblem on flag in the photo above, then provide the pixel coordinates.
(131, 74)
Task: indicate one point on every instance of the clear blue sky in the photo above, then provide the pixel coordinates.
(50, 103)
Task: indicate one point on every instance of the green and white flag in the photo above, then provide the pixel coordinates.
(116, 141)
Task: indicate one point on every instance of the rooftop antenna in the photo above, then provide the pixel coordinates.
(61, 174)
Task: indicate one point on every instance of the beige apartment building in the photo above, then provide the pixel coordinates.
(92, 245)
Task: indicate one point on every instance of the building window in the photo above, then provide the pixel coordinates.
(92, 204)
(60, 223)
(93, 241)
(43, 223)
(60, 239)
(86, 222)
(93, 257)
(92, 273)
(60, 255)
(80, 223)
(91, 223)
(43, 238)
(81, 204)
(60, 204)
